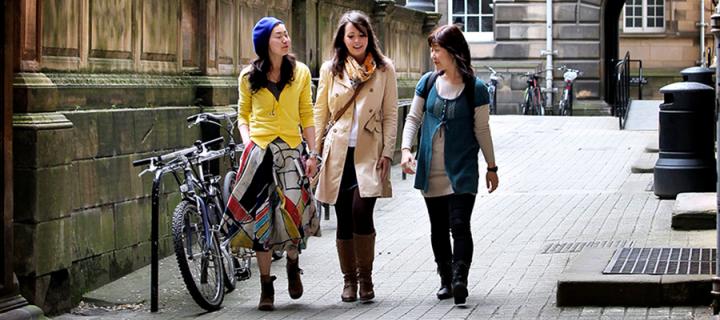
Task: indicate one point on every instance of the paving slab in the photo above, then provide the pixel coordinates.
(695, 211)
(584, 284)
(652, 146)
(644, 115)
(645, 163)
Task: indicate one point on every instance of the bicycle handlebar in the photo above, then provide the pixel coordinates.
(564, 68)
(212, 116)
(178, 153)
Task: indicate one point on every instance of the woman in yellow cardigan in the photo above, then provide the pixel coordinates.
(271, 199)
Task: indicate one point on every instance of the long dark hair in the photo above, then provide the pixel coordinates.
(451, 38)
(361, 21)
(261, 66)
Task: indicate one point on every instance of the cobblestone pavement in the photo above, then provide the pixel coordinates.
(561, 180)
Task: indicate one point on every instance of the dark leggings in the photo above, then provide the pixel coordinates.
(451, 213)
(354, 213)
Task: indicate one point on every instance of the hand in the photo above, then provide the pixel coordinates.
(407, 162)
(491, 181)
(311, 167)
(384, 167)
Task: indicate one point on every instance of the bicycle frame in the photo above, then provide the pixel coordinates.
(492, 89)
(533, 96)
(566, 102)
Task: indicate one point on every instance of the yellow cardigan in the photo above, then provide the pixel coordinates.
(268, 118)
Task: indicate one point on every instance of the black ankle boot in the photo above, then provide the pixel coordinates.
(459, 282)
(445, 272)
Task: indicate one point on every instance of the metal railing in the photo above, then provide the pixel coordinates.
(622, 90)
(623, 82)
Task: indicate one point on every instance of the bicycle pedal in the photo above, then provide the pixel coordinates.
(242, 275)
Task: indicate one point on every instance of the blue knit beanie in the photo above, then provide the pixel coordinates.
(261, 33)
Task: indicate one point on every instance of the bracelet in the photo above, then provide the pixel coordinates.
(492, 169)
(313, 154)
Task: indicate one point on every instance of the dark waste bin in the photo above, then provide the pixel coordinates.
(702, 75)
(686, 161)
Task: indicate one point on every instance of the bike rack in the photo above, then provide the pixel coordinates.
(154, 242)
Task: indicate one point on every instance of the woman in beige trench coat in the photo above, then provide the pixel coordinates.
(358, 149)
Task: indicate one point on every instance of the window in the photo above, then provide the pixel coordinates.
(644, 16)
(475, 18)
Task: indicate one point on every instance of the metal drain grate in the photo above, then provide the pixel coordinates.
(569, 247)
(662, 261)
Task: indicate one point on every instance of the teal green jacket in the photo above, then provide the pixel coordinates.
(461, 146)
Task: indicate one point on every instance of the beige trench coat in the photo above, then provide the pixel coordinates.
(377, 130)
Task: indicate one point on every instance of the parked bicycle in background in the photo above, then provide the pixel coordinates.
(533, 99)
(565, 108)
(492, 89)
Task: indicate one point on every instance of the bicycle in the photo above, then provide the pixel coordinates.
(568, 96)
(534, 101)
(241, 268)
(492, 89)
(197, 220)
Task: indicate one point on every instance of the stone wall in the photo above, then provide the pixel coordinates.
(101, 83)
(520, 38)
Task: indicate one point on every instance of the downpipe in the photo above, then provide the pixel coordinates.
(548, 53)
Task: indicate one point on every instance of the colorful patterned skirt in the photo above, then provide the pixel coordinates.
(272, 206)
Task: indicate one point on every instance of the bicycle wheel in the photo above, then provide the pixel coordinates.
(526, 106)
(539, 102)
(571, 100)
(562, 108)
(201, 268)
(228, 185)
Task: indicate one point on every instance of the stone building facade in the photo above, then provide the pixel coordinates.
(665, 35)
(510, 35)
(97, 84)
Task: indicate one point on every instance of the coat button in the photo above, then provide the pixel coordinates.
(335, 130)
(337, 95)
(370, 110)
(371, 89)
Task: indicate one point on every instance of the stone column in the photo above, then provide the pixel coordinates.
(12, 305)
(422, 5)
(382, 9)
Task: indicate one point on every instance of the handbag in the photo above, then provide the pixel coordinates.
(339, 114)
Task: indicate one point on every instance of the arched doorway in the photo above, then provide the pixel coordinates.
(609, 44)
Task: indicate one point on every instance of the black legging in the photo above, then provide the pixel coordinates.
(451, 213)
(354, 213)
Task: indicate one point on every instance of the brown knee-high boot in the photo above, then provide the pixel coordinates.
(267, 293)
(365, 255)
(346, 255)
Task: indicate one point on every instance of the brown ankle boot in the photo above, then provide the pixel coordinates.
(267, 293)
(365, 255)
(295, 287)
(346, 255)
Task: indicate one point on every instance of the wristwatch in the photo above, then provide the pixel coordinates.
(492, 169)
(313, 154)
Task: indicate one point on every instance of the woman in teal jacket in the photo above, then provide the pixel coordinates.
(452, 106)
